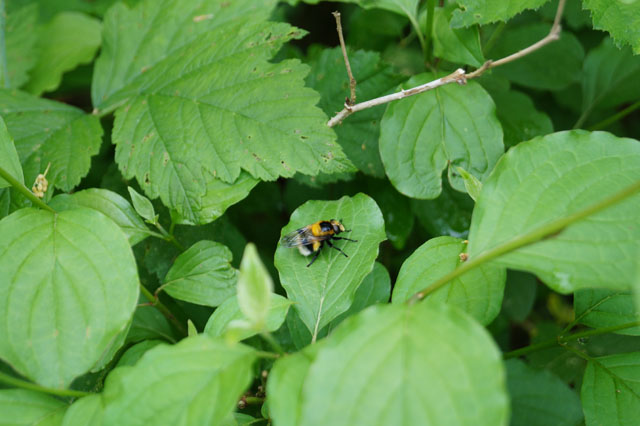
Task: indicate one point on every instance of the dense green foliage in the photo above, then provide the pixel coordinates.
(488, 272)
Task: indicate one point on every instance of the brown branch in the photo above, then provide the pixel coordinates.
(352, 81)
(458, 76)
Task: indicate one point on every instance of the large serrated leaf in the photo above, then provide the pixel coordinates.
(212, 105)
(198, 381)
(358, 135)
(400, 364)
(552, 177)
(325, 290)
(9, 160)
(478, 292)
(202, 275)
(621, 18)
(46, 132)
(538, 398)
(109, 204)
(70, 39)
(449, 126)
(69, 284)
(27, 407)
(488, 11)
(611, 390)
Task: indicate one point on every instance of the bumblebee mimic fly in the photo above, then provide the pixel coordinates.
(312, 238)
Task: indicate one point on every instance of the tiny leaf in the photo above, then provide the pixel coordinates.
(143, 206)
(254, 288)
(471, 183)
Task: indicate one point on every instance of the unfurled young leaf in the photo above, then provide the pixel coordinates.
(46, 131)
(549, 178)
(203, 102)
(69, 285)
(326, 288)
(9, 160)
(471, 183)
(202, 275)
(478, 292)
(143, 206)
(446, 127)
(254, 288)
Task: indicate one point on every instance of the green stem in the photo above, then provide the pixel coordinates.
(562, 340)
(24, 190)
(254, 400)
(495, 35)
(530, 237)
(4, 69)
(168, 236)
(274, 344)
(615, 117)
(163, 309)
(431, 7)
(416, 28)
(19, 383)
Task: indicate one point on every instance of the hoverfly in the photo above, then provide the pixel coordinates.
(311, 238)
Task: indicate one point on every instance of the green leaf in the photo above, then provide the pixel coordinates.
(471, 183)
(230, 310)
(69, 285)
(9, 160)
(604, 308)
(358, 135)
(375, 288)
(109, 204)
(46, 132)
(202, 275)
(87, 410)
(326, 289)
(135, 352)
(255, 287)
(143, 206)
(285, 386)
(21, 35)
(389, 363)
(538, 398)
(488, 11)
(197, 381)
(449, 126)
(620, 18)
(449, 214)
(609, 77)
(478, 292)
(25, 407)
(610, 390)
(458, 45)
(533, 70)
(219, 196)
(149, 323)
(245, 113)
(519, 295)
(519, 117)
(68, 40)
(552, 177)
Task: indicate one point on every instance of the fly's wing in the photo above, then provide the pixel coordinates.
(300, 237)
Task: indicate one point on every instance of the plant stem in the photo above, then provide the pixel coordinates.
(530, 237)
(562, 340)
(273, 342)
(24, 190)
(352, 80)
(615, 117)
(163, 309)
(3, 48)
(428, 53)
(169, 237)
(23, 384)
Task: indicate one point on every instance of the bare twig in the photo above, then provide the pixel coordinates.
(458, 76)
(352, 81)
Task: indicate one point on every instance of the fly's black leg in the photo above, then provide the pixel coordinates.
(344, 238)
(332, 246)
(315, 257)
